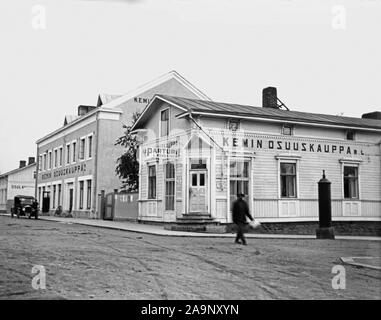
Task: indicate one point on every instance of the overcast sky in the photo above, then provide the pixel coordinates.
(323, 56)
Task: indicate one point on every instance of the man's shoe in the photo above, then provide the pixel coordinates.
(244, 243)
(237, 241)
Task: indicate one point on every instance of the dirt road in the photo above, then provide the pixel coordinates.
(92, 263)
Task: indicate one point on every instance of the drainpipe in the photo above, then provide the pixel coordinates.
(95, 171)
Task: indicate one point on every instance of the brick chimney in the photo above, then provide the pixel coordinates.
(31, 160)
(269, 98)
(372, 115)
(22, 163)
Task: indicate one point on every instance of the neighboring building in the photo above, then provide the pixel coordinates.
(195, 156)
(20, 181)
(77, 161)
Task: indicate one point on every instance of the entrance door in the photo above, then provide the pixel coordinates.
(198, 191)
(45, 201)
(71, 198)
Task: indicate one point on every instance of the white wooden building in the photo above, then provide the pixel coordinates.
(195, 156)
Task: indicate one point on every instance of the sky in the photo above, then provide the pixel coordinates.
(323, 56)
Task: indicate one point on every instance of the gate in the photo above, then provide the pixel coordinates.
(109, 206)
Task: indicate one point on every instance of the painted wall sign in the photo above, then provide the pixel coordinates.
(167, 150)
(247, 143)
(141, 100)
(65, 171)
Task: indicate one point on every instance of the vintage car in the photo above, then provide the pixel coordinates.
(24, 206)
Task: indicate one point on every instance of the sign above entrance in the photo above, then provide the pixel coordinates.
(164, 151)
(249, 143)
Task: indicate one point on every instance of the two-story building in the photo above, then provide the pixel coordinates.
(195, 156)
(20, 181)
(77, 161)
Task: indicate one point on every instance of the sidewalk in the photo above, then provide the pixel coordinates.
(160, 231)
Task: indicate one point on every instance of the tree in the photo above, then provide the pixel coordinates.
(128, 166)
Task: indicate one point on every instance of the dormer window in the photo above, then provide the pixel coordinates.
(233, 124)
(164, 123)
(350, 135)
(287, 130)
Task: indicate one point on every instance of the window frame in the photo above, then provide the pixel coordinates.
(89, 149)
(351, 165)
(296, 164)
(149, 195)
(290, 126)
(161, 122)
(82, 156)
(170, 180)
(68, 153)
(74, 155)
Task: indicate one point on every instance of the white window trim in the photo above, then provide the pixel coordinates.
(84, 179)
(66, 153)
(356, 164)
(88, 145)
(287, 125)
(55, 158)
(169, 122)
(50, 157)
(149, 164)
(74, 142)
(84, 138)
(61, 162)
(164, 186)
(288, 159)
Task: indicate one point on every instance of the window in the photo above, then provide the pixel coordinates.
(152, 182)
(60, 153)
(351, 188)
(68, 154)
(44, 164)
(288, 180)
(198, 164)
(50, 160)
(164, 122)
(40, 163)
(287, 130)
(90, 146)
(54, 196)
(169, 186)
(88, 198)
(59, 194)
(39, 195)
(81, 190)
(74, 150)
(82, 149)
(233, 124)
(239, 179)
(350, 135)
(55, 158)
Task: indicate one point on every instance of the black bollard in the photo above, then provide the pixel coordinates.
(325, 230)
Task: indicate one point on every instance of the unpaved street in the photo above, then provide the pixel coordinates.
(92, 263)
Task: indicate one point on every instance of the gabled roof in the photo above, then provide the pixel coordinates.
(170, 75)
(104, 98)
(5, 174)
(229, 110)
(70, 118)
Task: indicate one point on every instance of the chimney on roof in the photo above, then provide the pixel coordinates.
(22, 163)
(31, 160)
(372, 115)
(82, 110)
(269, 98)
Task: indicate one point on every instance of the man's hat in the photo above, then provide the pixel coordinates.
(240, 195)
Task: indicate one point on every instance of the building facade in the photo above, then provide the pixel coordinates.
(78, 161)
(195, 156)
(20, 181)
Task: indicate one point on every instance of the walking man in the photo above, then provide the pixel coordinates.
(240, 212)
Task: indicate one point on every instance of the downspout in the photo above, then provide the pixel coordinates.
(95, 173)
